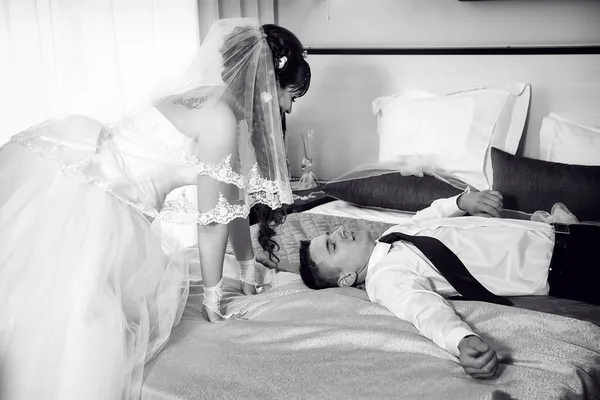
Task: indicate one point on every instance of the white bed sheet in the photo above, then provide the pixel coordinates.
(293, 342)
(340, 208)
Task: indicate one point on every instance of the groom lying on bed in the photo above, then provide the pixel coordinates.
(413, 275)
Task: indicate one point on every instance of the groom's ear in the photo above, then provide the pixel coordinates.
(347, 279)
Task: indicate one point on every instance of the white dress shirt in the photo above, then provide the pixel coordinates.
(508, 257)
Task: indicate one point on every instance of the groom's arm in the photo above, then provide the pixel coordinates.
(487, 203)
(410, 297)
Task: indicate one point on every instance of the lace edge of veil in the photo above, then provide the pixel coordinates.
(181, 211)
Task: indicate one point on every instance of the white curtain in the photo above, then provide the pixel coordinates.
(98, 57)
(92, 57)
(210, 10)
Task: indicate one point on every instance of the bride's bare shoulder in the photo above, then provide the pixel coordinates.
(197, 115)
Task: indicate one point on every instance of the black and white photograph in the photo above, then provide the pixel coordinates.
(299, 199)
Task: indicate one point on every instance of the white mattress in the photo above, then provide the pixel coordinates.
(340, 208)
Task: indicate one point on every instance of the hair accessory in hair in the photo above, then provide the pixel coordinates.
(282, 62)
(304, 53)
(265, 97)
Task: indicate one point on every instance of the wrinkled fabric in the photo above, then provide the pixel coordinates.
(88, 290)
(335, 344)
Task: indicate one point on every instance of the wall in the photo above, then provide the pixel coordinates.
(399, 23)
(210, 10)
(338, 105)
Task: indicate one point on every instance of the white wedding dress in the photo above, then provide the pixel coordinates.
(90, 289)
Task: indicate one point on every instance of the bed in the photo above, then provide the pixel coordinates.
(293, 342)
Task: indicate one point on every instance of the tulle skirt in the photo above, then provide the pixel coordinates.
(89, 291)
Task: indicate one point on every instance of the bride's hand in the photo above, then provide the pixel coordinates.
(211, 315)
(251, 280)
(247, 270)
(248, 288)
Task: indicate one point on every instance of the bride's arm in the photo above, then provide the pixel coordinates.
(215, 130)
(241, 239)
(217, 140)
(212, 239)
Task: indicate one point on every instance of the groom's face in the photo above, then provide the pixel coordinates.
(342, 251)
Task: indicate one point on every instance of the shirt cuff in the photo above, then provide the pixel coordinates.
(450, 208)
(455, 336)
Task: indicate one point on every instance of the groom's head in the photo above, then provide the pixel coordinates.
(336, 259)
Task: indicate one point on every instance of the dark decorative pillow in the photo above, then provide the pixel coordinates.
(391, 191)
(530, 185)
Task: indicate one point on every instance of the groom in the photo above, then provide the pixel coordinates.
(414, 267)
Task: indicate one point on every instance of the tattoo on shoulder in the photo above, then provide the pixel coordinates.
(192, 102)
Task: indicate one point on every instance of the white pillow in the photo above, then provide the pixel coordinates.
(566, 142)
(455, 129)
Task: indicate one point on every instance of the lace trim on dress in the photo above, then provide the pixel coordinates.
(73, 170)
(272, 193)
(221, 171)
(179, 210)
(260, 190)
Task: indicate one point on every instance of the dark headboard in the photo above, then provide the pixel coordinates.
(508, 50)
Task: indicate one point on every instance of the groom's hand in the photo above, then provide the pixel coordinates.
(477, 358)
(487, 203)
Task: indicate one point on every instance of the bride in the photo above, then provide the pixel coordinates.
(89, 288)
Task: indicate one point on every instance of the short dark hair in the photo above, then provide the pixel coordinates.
(311, 274)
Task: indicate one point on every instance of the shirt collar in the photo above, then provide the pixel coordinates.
(380, 251)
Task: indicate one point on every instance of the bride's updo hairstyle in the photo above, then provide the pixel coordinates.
(294, 74)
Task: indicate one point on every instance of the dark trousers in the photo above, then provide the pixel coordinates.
(575, 265)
